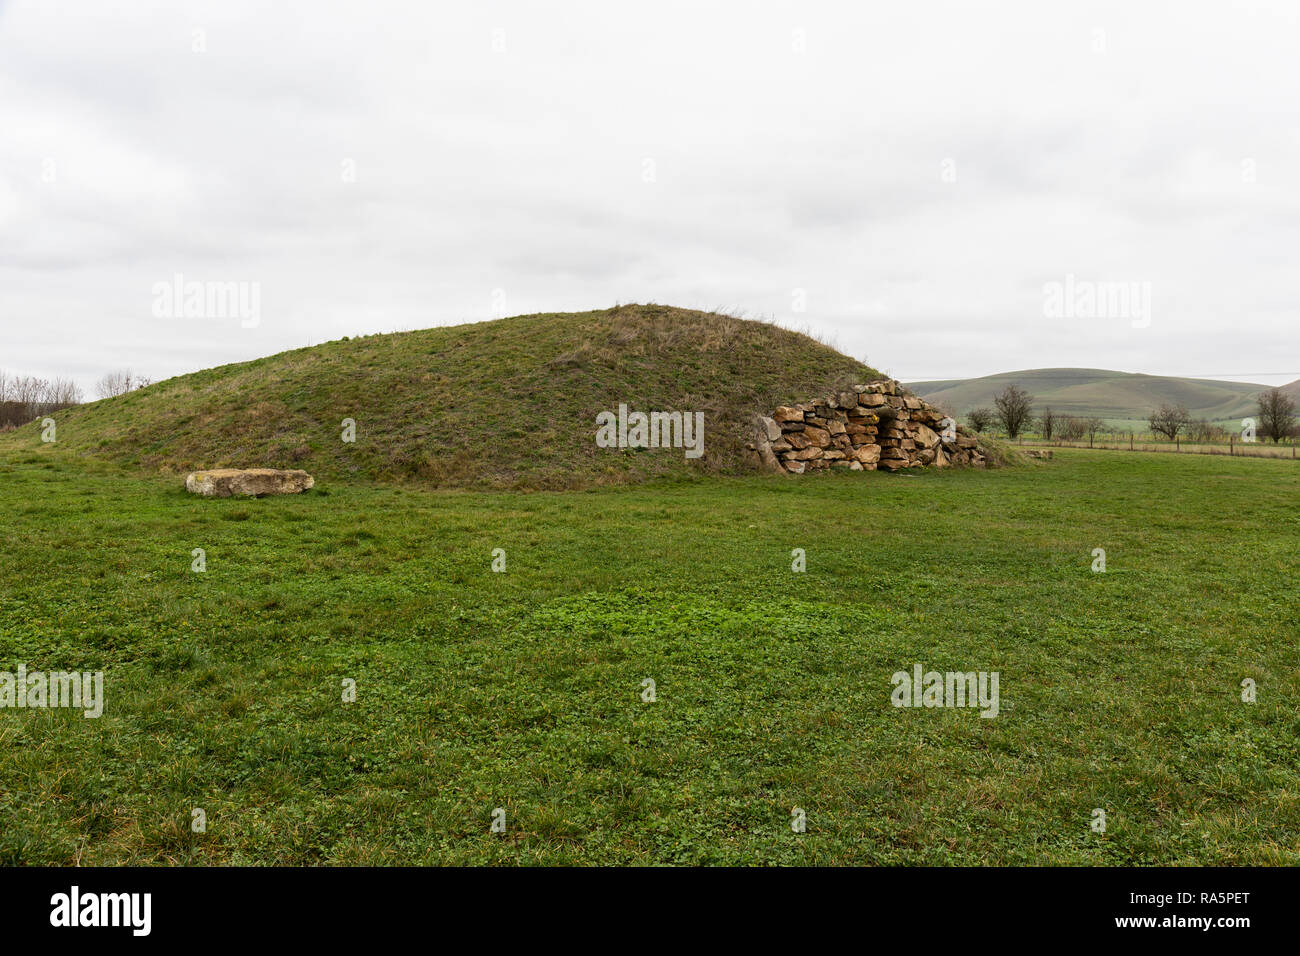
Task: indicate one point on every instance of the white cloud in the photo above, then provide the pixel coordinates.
(505, 145)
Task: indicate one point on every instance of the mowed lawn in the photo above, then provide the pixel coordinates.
(522, 690)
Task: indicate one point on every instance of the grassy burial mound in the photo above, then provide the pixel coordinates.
(511, 403)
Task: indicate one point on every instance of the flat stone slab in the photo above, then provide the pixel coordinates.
(252, 482)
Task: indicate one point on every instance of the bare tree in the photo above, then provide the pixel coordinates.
(12, 412)
(1205, 431)
(1047, 422)
(25, 397)
(28, 390)
(114, 383)
(64, 392)
(981, 419)
(1091, 426)
(1071, 428)
(1169, 420)
(1014, 409)
(1276, 414)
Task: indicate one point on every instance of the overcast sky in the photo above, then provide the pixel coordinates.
(902, 180)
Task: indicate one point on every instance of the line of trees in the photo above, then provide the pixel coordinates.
(1072, 428)
(1275, 418)
(24, 398)
(1013, 413)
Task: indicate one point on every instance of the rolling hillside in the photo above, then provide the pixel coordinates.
(1115, 396)
(510, 403)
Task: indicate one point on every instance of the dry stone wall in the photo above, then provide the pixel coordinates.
(878, 425)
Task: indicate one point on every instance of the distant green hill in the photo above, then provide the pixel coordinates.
(1114, 396)
(510, 403)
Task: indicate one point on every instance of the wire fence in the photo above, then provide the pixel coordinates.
(1232, 447)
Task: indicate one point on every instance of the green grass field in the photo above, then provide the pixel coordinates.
(522, 690)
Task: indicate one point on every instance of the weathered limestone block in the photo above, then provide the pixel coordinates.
(818, 436)
(806, 454)
(249, 482)
(925, 437)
